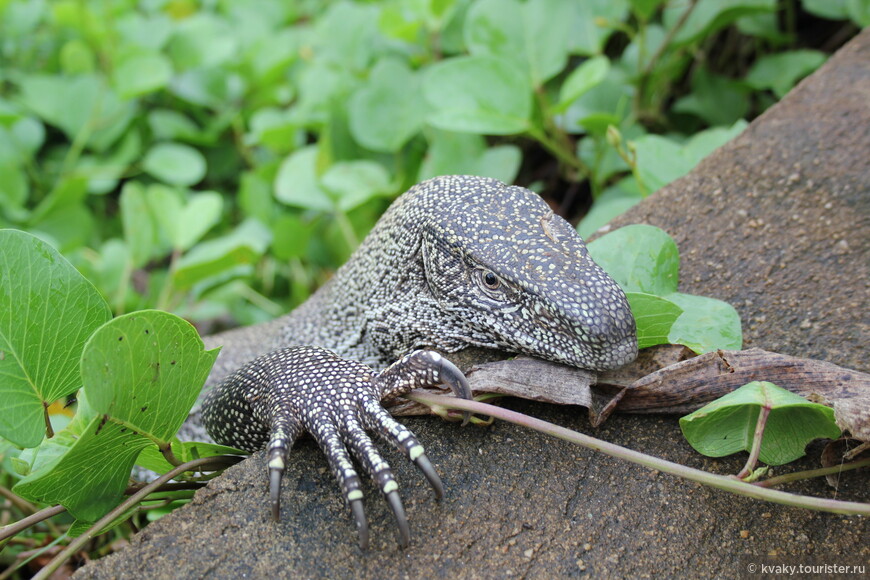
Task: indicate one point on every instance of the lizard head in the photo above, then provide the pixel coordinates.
(518, 277)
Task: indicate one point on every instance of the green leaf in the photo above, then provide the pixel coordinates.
(478, 94)
(20, 139)
(199, 215)
(142, 73)
(212, 258)
(386, 112)
(396, 21)
(830, 9)
(347, 35)
(640, 258)
(654, 316)
(533, 34)
(175, 164)
(67, 192)
(104, 171)
(184, 224)
(173, 126)
(589, 74)
(764, 26)
(146, 369)
(320, 88)
(142, 372)
(90, 477)
(150, 31)
(716, 99)
(706, 324)
(76, 58)
(14, 191)
(67, 228)
(207, 87)
(467, 154)
(111, 266)
(727, 425)
(81, 104)
(644, 9)
(21, 19)
(272, 55)
(607, 103)
(603, 158)
(291, 235)
(297, 183)
(140, 230)
(500, 162)
(612, 202)
(48, 452)
(47, 312)
(645, 262)
(352, 183)
(661, 160)
(276, 129)
(856, 10)
(592, 22)
(708, 16)
(780, 72)
(201, 41)
(255, 194)
(859, 12)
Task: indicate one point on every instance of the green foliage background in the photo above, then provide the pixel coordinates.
(220, 158)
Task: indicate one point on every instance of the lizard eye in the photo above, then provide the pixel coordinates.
(490, 280)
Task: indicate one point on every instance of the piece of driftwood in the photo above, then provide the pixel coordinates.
(668, 379)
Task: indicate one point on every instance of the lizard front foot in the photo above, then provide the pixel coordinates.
(278, 396)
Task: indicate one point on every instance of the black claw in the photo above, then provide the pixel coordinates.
(423, 464)
(457, 382)
(275, 492)
(362, 526)
(401, 520)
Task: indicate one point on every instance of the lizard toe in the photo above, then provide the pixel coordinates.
(362, 525)
(401, 519)
(380, 421)
(363, 448)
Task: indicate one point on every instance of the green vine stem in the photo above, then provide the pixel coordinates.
(33, 519)
(798, 475)
(758, 437)
(168, 455)
(726, 483)
(94, 530)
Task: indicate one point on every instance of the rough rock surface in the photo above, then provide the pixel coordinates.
(775, 222)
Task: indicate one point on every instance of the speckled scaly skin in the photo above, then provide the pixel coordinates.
(276, 397)
(456, 261)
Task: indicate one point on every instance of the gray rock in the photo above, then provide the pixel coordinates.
(776, 223)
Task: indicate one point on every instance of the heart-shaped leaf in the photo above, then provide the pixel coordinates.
(478, 94)
(727, 425)
(47, 312)
(142, 373)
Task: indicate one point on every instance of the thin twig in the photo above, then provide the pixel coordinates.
(727, 483)
(77, 543)
(757, 439)
(798, 475)
(33, 519)
(168, 455)
(650, 65)
(175, 486)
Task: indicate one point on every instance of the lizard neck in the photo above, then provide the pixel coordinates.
(379, 306)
